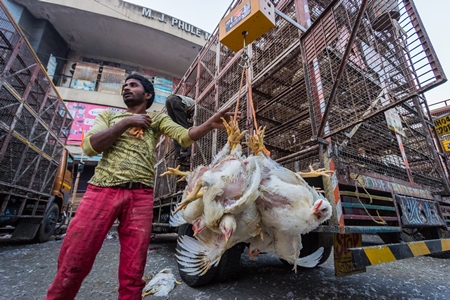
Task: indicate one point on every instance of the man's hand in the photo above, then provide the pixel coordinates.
(144, 121)
(138, 130)
(215, 122)
(100, 141)
(216, 119)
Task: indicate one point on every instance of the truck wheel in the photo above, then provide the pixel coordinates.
(193, 280)
(48, 224)
(310, 243)
(229, 263)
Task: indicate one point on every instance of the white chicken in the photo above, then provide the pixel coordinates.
(231, 188)
(253, 200)
(228, 186)
(198, 255)
(229, 212)
(193, 212)
(161, 284)
(289, 207)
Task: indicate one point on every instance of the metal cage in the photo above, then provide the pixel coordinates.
(348, 89)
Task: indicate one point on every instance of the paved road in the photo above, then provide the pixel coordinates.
(27, 270)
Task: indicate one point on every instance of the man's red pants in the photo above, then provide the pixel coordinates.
(98, 210)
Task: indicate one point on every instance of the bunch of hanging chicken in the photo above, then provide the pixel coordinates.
(250, 199)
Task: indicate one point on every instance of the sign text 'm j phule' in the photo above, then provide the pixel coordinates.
(181, 25)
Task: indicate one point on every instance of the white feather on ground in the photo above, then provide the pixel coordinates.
(160, 285)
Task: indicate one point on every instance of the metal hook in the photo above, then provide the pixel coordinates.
(244, 57)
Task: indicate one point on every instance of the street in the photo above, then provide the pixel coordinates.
(26, 271)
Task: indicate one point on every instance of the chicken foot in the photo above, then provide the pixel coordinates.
(196, 193)
(316, 173)
(256, 142)
(233, 132)
(138, 132)
(175, 172)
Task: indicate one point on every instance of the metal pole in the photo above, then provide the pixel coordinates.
(287, 18)
(74, 192)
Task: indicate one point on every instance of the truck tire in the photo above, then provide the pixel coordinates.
(229, 263)
(310, 243)
(193, 280)
(48, 225)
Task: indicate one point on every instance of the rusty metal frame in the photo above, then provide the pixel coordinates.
(342, 66)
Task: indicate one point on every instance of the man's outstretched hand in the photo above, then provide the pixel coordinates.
(215, 122)
(216, 119)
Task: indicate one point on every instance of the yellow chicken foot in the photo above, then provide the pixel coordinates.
(228, 126)
(235, 138)
(316, 173)
(233, 132)
(138, 132)
(145, 294)
(256, 142)
(176, 171)
(195, 194)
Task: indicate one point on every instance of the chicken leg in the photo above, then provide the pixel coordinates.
(176, 171)
(256, 142)
(196, 193)
(316, 173)
(233, 132)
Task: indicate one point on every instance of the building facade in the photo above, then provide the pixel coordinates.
(89, 47)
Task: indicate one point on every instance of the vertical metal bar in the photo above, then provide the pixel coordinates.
(341, 69)
(302, 13)
(428, 47)
(13, 56)
(331, 186)
(8, 65)
(432, 58)
(405, 160)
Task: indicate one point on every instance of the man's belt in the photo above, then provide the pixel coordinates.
(133, 185)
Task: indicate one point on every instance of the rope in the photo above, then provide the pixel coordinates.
(239, 96)
(245, 65)
(359, 180)
(250, 99)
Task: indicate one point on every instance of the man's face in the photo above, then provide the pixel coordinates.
(133, 93)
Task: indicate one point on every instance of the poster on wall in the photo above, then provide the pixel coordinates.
(163, 88)
(83, 115)
(85, 76)
(51, 66)
(111, 80)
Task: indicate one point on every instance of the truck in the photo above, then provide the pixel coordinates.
(338, 84)
(36, 168)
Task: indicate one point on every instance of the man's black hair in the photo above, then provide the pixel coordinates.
(148, 87)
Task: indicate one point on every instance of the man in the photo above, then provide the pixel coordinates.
(181, 109)
(121, 188)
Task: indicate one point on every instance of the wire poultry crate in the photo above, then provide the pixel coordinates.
(33, 121)
(350, 89)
